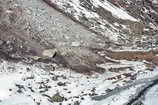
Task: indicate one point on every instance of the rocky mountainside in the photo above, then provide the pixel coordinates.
(78, 52)
(117, 20)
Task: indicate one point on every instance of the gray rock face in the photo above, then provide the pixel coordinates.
(39, 29)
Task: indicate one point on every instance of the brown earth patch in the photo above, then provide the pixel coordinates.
(150, 56)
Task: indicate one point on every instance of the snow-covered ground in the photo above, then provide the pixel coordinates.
(23, 84)
(151, 96)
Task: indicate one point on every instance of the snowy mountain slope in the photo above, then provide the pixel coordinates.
(118, 20)
(29, 27)
(96, 15)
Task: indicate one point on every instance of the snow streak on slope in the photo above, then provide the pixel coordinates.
(73, 7)
(119, 13)
(78, 10)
